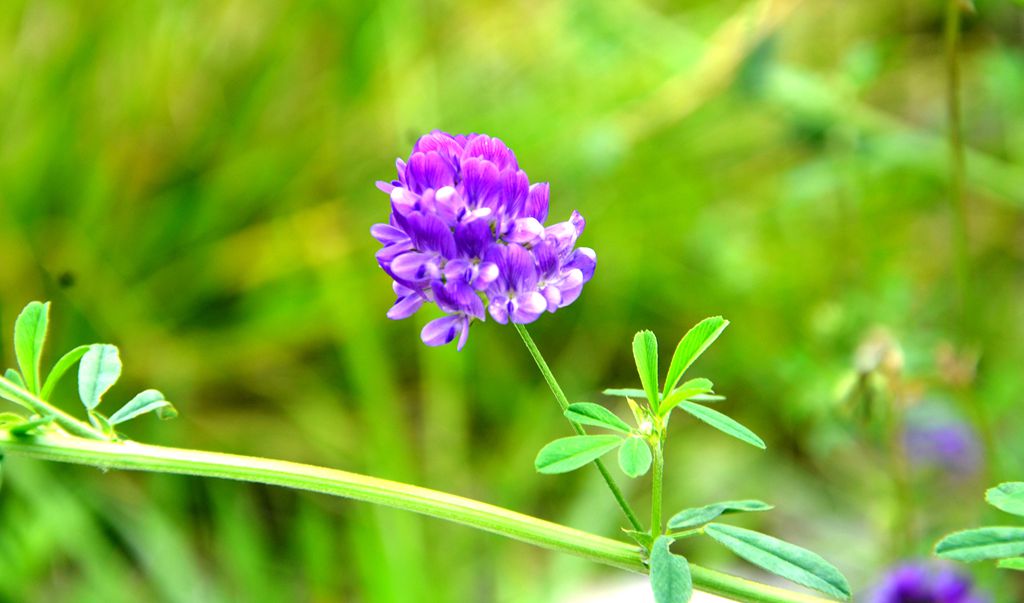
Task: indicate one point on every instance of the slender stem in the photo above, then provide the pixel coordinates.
(564, 403)
(656, 486)
(956, 155)
(159, 459)
(19, 396)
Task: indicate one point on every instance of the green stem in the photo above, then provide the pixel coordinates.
(564, 403)
(956, 156)
(656, 486)
(159, 459)
(19, 396)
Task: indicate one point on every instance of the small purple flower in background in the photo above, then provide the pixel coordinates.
(924, 583)
(935, 438)
(467, 233)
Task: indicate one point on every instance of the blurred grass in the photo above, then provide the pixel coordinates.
(193, 182)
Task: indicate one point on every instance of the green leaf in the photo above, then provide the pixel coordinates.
(1007, 497)
(66, 362)
(148, 401)
(691, 518)
(645, 353)
(8, 419)
(29, 338)
(567, 454)
(982, 543)
(589, 413)
(723, 423)
(1013, 563)
(706, 398)
(625, 392)
(670, 574)
(691, 346)
(693, 387)
(102, 423)
(27, 427)
(98, 372)
(644, 539)
(782, 559)
(14, 377)
(635, 457)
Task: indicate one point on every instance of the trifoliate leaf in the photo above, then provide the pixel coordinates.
(723, 423)
(588, 413)
(150, 400)
(645, 353)
(29, 338)
(691, 346)
(567, 454)
(99, 371)
(693, 387)
(669, 574)
(691, 518)
(982, 543)
(635, 457)
(782, 559)
(1007, 497)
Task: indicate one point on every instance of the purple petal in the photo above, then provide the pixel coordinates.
(388, 234)
(406, 306)
(445, 144)
(428, 170)
(464, 335)
(457, 296)
(480, 183)
(517, 268)
(571, 286)
(525, 230)
(386, 187)
(415, 267)
(528, 307)
(491, 149)
(585, 260)
(449, 204)
(515, 188)
(442, 330)
(499, 309)
(547, 259)
(473, 238)
(429, 233)
(537, 202)
(486, 273)
(553, 296)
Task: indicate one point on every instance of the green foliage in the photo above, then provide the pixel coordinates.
(691, 346)
(982, 543)
(148, 401)
(1007, 497)
(99, 371)
(588, 413)
(568, 454)
(645, 354)
(1012, 563)
(782, 558)
(723, 423)
(29, 339)
(691, 518)
(60, 369)
(670, 574)
(626, 392)
(694, 387)
(635, 456)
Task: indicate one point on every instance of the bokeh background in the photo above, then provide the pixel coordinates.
(193, 181)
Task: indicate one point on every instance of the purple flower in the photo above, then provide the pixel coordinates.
(923, 583)
(467, 233)
(934, 438)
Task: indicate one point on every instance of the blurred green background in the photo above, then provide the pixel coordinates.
(193, 181)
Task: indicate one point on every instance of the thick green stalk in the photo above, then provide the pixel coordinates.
(159, 459)
(564, 403)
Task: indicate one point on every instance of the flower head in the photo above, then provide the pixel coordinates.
(467, 233)
(923, 583)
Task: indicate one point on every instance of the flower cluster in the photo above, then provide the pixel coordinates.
(935, 438)
(921, 583)
(467, 233)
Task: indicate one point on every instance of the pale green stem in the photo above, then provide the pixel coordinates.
(159, 459)
(563, 402)
(657, 479)
(19, 396)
